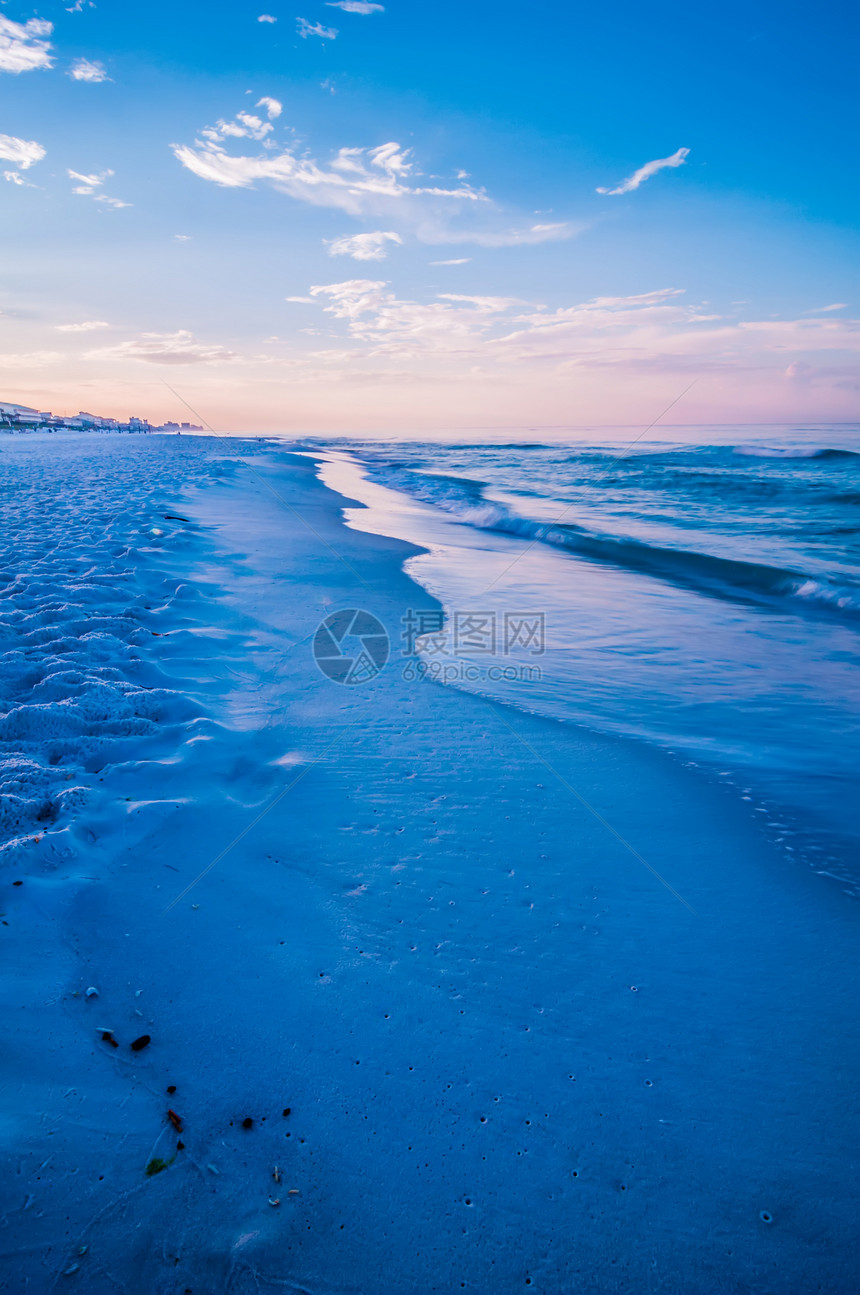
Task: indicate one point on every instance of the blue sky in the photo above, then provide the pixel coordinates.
(175, 174)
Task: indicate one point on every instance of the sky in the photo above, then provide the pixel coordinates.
(408, 218)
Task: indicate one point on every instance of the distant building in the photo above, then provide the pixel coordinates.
(19, 416)
(15, 417)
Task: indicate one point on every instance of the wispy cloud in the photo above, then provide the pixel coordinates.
(30, 360)
(355, 6)
(23, 152)
(266, 17)
(88, 186)
(488, 305)
(457, 260)
(88, 326)
(489, 237)
(165, 348)
(823, 310)
(363, 247)
(88, 183)
(355, 180)
(84, 69)
(805, 334)
(645, 172)
(243, 126)
(382, 182)
(23, 47)
(400, 327)
(273, 107)
(644, 333)
(305, 29)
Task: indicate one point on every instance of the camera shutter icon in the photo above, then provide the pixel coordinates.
(351, 646)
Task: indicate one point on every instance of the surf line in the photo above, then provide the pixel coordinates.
(269, 486)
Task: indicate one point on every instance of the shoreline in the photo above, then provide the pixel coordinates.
(466, 556)
(475, 1002)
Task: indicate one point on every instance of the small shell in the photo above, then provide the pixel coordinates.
(277, 1174)
(92, 992)
(274, 1200)
(294, 1191)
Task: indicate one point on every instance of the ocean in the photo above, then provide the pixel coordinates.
(702, 597)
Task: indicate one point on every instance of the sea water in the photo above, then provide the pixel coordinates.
(701, 594)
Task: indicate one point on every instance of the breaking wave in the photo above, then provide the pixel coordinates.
(464, 498)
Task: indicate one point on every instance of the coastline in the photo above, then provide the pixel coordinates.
(769, 707)
(510, 1054)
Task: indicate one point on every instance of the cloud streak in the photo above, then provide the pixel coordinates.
(645, 333)
(88, 186)
(488, 237)
(180, 347)
(645, 172)
(30, 360)
(355, 180)
(88, 326)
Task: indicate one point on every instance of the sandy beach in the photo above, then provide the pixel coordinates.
(507, 1003)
